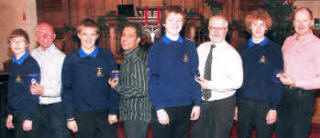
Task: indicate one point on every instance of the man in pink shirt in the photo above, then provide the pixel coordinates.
(301, 76)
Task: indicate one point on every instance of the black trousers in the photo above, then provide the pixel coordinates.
(215, 119)
(4, 133)
(295, 113)
(179, 123)
(136, 128)
(252, 115)
(94, 125)
(18, 119)
(52, 121)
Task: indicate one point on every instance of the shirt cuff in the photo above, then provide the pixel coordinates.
(69, 115)
(112, 111)
(158, 108)
(28, 117)
(273, 107)
(197, 103)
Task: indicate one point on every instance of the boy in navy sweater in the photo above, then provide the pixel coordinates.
(89, 102)
(173, 66)
(260, 94)
(24, 71)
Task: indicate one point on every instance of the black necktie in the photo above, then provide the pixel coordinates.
(206, 93)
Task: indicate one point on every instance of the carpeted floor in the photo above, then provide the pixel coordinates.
(315, 132)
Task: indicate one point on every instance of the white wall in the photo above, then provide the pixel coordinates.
(11, 15)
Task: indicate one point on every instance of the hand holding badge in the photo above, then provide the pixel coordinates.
(115, 74)
(34, 78)
(197, 75)
(286, 79)
(276, 75)
(35, 87)
(114, 80)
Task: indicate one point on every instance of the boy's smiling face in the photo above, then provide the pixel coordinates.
(88, 37)
(18, 45)
(173, 24)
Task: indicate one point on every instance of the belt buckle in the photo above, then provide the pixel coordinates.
(288, 87)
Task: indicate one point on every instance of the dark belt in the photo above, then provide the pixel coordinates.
(297, 90)
(47, 105)
(291, 88)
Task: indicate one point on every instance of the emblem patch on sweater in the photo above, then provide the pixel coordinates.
(262, 59)
(185, 58)
(18, 79)
(99, 72)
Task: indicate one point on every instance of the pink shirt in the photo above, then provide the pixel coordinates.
(302, 60)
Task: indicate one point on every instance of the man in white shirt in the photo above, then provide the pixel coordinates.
(50, 59)
(221, 75)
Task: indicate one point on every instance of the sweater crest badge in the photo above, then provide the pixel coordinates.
(99, 72)
(262, 59)
(185, 58)
(18, 79)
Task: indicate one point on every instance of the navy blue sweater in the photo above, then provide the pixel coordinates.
(19, 95)
(260, 66)
(173, 66)
(85, 83)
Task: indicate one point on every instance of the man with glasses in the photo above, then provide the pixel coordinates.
(220, 70)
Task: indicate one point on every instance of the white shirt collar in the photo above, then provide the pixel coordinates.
(220, 44)
(50, 48)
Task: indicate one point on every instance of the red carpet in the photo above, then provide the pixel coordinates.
(315, 132)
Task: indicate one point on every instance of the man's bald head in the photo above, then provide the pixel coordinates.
(45, 35)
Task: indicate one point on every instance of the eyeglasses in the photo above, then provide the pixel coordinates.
(302, 21)
(17, 41)
(217, 28)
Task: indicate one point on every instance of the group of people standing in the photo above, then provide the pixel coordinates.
(258, 84)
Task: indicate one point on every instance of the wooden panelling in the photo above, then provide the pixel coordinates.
(50, 5)
(70, 12)
(47, 9)
(312, 4)
(80, 9)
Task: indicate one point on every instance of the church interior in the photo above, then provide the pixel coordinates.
(65, 15)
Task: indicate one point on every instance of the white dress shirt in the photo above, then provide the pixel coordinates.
(226, 69)
(50, 62)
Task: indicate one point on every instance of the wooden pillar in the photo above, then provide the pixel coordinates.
(113, 43)
(316, 114)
